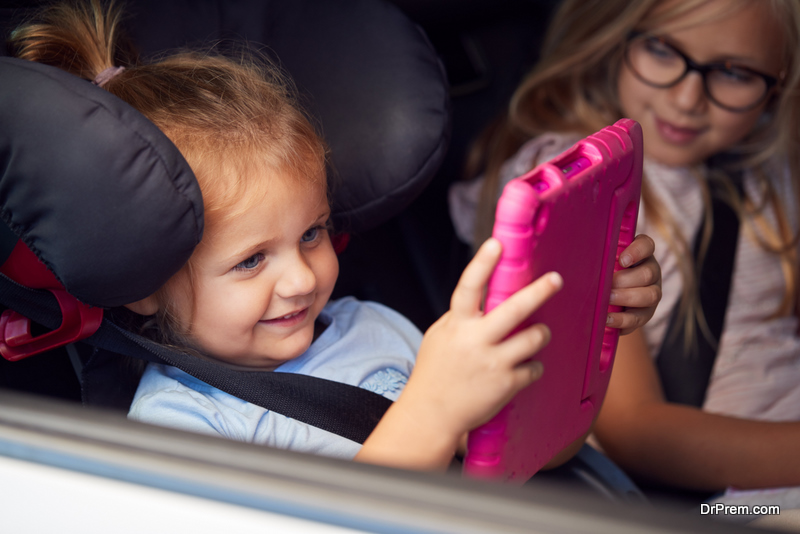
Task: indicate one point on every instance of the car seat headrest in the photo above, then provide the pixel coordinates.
(369, 74)
(94, 189)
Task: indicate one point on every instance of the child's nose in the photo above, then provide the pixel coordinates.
(297, 278)
(689, 95)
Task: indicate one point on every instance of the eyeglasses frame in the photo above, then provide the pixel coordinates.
(702, 69)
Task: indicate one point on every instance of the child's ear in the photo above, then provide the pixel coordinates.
(146, 306)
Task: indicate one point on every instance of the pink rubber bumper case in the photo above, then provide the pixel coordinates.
(574, 214)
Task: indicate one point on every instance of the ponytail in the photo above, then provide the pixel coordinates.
(81, 38)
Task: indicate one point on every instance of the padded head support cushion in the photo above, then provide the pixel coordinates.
(369, 74)
(101, 196)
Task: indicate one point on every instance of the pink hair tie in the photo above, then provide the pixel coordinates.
(101, 79)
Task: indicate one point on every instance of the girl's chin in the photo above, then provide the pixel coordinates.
(260, 362)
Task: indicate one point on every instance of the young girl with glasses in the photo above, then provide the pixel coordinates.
(714, 85)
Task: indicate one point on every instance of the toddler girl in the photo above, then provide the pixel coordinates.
(714, 85)
(255, 293)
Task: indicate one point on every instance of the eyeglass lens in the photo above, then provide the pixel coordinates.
(660, 65)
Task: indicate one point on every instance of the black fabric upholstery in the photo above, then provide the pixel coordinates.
(367, 72)
(94, 189)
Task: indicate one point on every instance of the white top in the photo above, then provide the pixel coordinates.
(365, 344)
(757, 370)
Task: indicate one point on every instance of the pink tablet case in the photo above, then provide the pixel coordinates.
(573, 214)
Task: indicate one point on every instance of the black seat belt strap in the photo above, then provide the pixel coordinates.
(348, 411)
(685, 375)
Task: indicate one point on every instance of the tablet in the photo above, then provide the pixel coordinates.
(574, 215)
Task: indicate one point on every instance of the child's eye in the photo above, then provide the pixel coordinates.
(250, 263)
(734, 75)
(312, 234)
(657, 48)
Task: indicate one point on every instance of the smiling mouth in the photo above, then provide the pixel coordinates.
(290, 319)
(676, 134)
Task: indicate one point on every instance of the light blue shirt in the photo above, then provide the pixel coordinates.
(365, 344)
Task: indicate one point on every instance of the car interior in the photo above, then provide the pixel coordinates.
(400, 90)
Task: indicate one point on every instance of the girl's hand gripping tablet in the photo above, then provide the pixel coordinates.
(637, 286)
(468, 368)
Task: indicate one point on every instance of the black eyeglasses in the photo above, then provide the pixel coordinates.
(731, 87)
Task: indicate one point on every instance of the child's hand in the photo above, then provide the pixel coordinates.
(637, 287)
(467, 368)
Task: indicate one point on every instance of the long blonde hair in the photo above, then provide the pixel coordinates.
(573, 90)
(229, 116)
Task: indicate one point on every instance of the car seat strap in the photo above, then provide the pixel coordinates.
(345, 410)
(685, 374)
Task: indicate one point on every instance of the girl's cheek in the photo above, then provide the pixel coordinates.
(630, 91)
